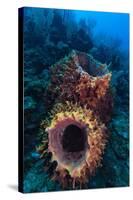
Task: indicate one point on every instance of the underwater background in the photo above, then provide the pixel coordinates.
(50, 35)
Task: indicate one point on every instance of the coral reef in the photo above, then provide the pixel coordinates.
(82, 39)
(54, 74)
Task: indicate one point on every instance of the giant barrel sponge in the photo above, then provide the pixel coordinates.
(75, 133)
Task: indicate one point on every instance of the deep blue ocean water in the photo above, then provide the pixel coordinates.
(111, 24)
(115, 25)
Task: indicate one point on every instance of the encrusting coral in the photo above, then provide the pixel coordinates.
(75, 133)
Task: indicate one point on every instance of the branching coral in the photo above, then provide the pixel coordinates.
(76, 139)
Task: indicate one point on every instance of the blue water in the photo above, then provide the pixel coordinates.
(115, 25)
